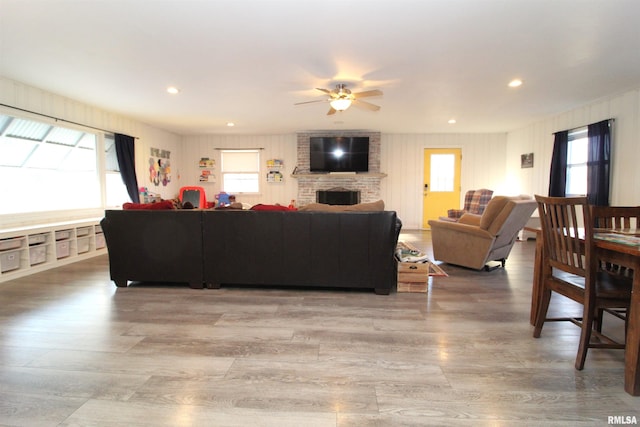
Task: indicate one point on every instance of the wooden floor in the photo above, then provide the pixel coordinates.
(77, 351)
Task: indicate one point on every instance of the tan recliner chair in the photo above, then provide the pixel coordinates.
(475, 240)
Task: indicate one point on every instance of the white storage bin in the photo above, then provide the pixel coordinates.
(37, 254)
(63, 234)
(37, 238)
(63, 249)
(100, 242)
(83, 231)
(83, 245)
(11, 243)
(9, 260)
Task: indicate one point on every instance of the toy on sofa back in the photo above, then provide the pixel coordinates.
(195, 195)
(225, 199)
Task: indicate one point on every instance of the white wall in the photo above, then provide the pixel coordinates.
(402, 159)
(26, 97)
(538, 139)
(489, 160)
(282, 147)
(158, 139)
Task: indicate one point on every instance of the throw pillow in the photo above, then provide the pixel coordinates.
(316, 207)
(261, 207)
(376, 206)
(360, 207)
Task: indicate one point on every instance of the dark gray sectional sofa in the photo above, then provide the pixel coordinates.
(214, 248)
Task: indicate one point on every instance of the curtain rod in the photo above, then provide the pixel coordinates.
(57, 119)
(611, 120)
(237, 148)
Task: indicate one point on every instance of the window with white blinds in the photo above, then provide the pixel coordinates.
(240, 170)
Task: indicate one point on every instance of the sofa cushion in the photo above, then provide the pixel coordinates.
(376, 206)
(469, 219)
(165, 204)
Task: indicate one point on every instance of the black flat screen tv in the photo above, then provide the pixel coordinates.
(339, 154)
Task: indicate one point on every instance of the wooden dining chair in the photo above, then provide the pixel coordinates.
(623, 219)
(571, 269)
(616, 217)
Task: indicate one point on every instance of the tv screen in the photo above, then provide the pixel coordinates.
(339, 154)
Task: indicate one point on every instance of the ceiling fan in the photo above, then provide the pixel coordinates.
(341, 98)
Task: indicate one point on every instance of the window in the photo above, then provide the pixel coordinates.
(581, 162)
(577, 157)
(442, 172)
(45, 167)
(240, 171)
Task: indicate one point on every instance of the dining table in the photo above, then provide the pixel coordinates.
(620, 247)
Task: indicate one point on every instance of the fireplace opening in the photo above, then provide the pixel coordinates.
(338, 196)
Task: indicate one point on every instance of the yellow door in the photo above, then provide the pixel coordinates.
(441, 182)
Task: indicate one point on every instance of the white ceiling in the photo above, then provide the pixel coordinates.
(250, 61)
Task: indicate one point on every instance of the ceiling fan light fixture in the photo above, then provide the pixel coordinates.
(515, 83)
(340, 104)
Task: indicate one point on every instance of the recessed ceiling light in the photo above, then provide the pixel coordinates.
(230, 124)
(173, 90)
(515, 83)
(452, 121)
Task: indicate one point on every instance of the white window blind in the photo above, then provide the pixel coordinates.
(240, 171)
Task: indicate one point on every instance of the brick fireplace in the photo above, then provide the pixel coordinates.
(368, 183)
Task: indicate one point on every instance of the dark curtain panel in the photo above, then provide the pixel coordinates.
(126, 161)
(599, 163)
(558, 176)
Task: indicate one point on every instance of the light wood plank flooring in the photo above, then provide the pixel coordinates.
(77, 351)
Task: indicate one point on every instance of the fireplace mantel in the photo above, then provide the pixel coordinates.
(340, 175)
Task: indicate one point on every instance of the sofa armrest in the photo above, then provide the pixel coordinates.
(458, 227)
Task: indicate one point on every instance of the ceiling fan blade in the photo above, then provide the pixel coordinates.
(311, 102)
(331, 111)
(365, 105)
(327, 91)
(366, 93)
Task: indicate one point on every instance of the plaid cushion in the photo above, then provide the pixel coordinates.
(455, 213)
(475, 201)
(480, 200)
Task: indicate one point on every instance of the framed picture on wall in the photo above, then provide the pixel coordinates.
(526, 160)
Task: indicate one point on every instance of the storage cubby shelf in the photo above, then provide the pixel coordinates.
(32, 249)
